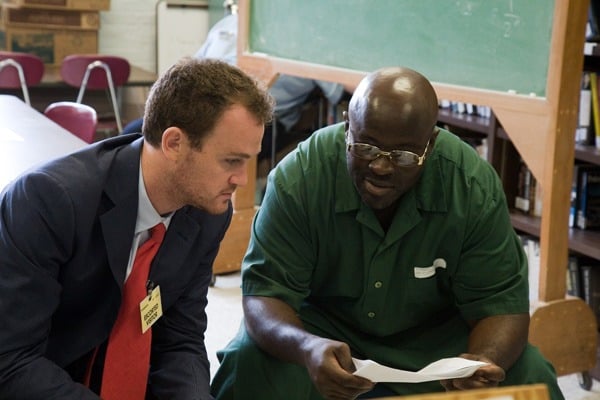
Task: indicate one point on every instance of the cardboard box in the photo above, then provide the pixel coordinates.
(98, 5)
(52, 45)
(54, 19)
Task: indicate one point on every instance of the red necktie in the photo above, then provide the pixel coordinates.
(127, 359)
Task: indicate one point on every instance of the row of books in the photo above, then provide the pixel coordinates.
(585, 197)
(583, 280)
(460, 107)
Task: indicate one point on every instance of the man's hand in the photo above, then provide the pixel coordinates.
(486, 376)
(500, 338)
(329, 364)
(275, 326)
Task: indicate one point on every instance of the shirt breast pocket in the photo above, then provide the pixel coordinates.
(428, 289)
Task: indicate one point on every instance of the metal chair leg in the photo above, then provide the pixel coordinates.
(111, 88)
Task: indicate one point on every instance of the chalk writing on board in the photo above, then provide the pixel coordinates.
(474, 43)
(509, 20)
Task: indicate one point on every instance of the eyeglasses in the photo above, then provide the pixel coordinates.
(400, 158)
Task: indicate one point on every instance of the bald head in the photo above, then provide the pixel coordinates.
(395, 100)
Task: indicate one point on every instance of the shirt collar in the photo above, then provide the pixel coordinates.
(147, 216)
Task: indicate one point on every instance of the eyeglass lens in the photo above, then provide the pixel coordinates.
(370, 152)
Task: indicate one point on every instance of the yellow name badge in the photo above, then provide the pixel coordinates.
(151, 309)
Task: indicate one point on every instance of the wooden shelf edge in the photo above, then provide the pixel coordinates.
(584, 242)
(465, 121)
(587, 153)
(525, 223)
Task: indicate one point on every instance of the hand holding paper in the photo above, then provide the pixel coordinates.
(446, 368)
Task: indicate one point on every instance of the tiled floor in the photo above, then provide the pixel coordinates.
(225, 313)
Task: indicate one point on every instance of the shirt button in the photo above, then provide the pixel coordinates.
(378, 284)
(371, 314)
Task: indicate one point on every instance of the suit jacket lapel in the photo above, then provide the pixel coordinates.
(118, 222)
(181, 236)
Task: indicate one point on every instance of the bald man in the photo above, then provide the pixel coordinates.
(386, 238)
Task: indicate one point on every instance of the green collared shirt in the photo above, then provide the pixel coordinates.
(450, 253)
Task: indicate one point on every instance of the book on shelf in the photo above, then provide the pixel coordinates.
(484, 111)
(459, 107)
(444, 103)
(583, 130)
(531, 247)
(523, 188)
(590, 283)
(578, 168)
(592, 33)
(595, 107)
(574, 277)
(588, 212)
(536, 209)
(529, 192)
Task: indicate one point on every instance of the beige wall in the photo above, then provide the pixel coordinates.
(129, 29)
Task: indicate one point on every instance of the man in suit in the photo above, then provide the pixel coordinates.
(70, 230)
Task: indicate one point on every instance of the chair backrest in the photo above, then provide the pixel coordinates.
(96, 72)
(75, 66)
(79, 119)
(20, 70)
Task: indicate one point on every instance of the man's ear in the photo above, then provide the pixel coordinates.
(174, 143)
(346, 120)
(436, 132)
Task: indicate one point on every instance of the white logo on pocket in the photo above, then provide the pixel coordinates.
(426, 272)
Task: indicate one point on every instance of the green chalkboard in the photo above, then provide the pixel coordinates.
(500, 45)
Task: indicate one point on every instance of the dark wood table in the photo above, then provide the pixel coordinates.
(28, 138)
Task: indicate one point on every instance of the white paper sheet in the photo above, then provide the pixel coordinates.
(446, 368)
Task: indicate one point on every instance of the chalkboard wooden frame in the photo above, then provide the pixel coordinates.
(540, 127)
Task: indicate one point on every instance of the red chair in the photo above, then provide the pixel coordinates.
(96, 72)
(20, 70)
(79, 119)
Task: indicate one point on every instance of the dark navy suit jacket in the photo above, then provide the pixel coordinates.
(66, 230)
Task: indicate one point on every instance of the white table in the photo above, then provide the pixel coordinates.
(28, 138)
